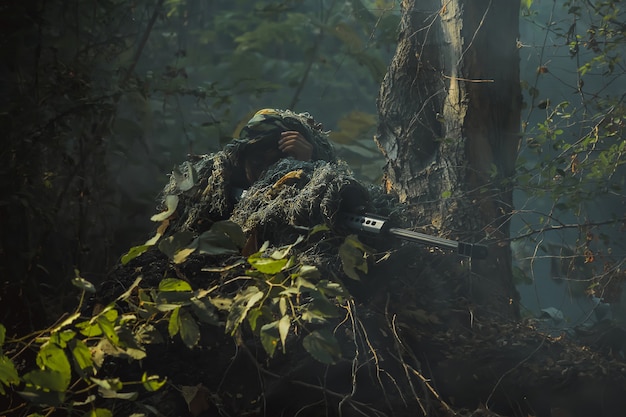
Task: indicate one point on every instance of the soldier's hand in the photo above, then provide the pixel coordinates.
(295, 145)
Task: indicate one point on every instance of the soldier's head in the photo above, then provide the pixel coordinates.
(262, 140)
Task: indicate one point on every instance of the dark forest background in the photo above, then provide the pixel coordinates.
(100, 99)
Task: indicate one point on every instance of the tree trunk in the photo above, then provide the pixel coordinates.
(449, 128)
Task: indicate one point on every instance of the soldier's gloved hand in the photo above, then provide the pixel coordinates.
(295, 145)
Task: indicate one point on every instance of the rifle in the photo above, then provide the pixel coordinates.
(377, 225)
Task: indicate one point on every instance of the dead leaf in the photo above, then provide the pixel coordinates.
(289, 178)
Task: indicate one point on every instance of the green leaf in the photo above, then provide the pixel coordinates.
(152, 383)
(323, 346)
(108, 328)
(309, 272)
(267, 266)
(61, 338)
(178, 241)
(173, 326)
(232, 230)
(215, 242)
(148, 334)
(284, 251)
(88, 329)
(353, 255)
(46, 379)
(189, 330)
(38, 395)
(242, 303)
(270, 337)
(331, 289)
(134, 252)
(82, 358)
(204, 310)
(3, 334)
(52, 357)
(283, 329)
(318, 309)
(8, 373)
(174, 284)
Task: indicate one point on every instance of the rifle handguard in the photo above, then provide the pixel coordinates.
(380, 226)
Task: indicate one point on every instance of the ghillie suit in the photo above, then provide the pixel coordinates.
(207, 185)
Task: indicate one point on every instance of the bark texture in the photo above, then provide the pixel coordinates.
(449, 128)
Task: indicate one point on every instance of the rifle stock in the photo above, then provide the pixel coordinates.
(377, 225)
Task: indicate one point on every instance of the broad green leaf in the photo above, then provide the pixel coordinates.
(253, 317)
(242, 303)
(52, 357)
(171, 202)
(38, 395)
(134, 252)
(8, 373)
(148, 334)
(88, 329)
(331, 289)
(353, 255)
(215, 242)
(189, 330)
(82, 358)
(173, 326)
(323, 346)
(282, 304)
(3, 334)
(46, 379)
(204, 310)
(283, 329)
(309, 272)
(152, 383)
(172, 244)
(284, 251)
(108, 328)
(267, 266)
(270, 337)
(61, 338)
(174, 284)
(232, 230)
(318, 309)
